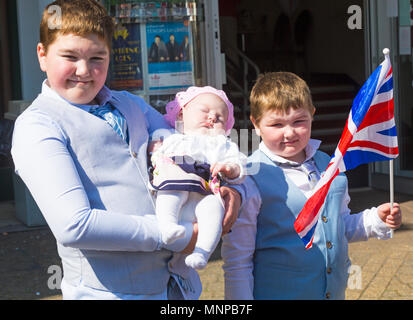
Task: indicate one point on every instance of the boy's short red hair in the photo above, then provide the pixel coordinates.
(79, 17)
(279, 91)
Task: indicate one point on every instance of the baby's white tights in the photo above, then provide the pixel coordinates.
(168, 208)
(209, 212)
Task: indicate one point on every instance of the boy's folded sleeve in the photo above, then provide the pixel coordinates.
(375, 227)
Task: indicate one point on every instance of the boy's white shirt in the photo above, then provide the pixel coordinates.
(239, 245)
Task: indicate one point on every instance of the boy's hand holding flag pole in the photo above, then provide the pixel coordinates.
(369, 135)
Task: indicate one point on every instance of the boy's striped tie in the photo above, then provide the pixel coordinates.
(308, 167)
(311, 171)
(113, 117)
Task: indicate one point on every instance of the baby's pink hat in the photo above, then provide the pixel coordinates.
(184, 97)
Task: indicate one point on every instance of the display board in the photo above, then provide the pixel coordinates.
(153, 47)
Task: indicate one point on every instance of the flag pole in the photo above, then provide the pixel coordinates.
(386, 53)
(391, 184)
(391, 172)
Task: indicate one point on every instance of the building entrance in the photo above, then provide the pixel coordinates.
(310, 38)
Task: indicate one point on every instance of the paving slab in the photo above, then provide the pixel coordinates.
(385, 268)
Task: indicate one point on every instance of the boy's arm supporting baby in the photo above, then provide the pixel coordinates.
(232, 202)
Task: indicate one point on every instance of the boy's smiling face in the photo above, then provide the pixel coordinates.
(76, 66)
(285, 134)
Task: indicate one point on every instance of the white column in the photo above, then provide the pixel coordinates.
(28, 20)
(214, 61)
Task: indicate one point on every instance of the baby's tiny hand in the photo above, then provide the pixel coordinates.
(229, 170)
(393, 219)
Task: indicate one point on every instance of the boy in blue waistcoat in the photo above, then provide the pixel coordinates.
(264, 258)
(81, 150)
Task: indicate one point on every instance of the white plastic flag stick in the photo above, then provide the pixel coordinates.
(391, 173)
(386, 53)
(391, 189)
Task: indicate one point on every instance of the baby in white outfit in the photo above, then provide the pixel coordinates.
(189, 166)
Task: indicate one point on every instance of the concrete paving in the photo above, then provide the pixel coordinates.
(29, 264)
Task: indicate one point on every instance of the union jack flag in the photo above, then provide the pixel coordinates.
(369, 135)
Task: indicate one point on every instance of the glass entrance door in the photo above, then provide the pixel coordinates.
(390, 26)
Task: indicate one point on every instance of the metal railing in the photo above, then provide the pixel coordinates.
(241, 81)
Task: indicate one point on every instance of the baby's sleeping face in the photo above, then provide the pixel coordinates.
(207, 114)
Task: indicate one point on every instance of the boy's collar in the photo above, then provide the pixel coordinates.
(310, 151)
(103, 96)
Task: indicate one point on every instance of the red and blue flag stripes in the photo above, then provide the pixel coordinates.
(369, 135)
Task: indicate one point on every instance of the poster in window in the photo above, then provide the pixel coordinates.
(126, 58)
(169, 55)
